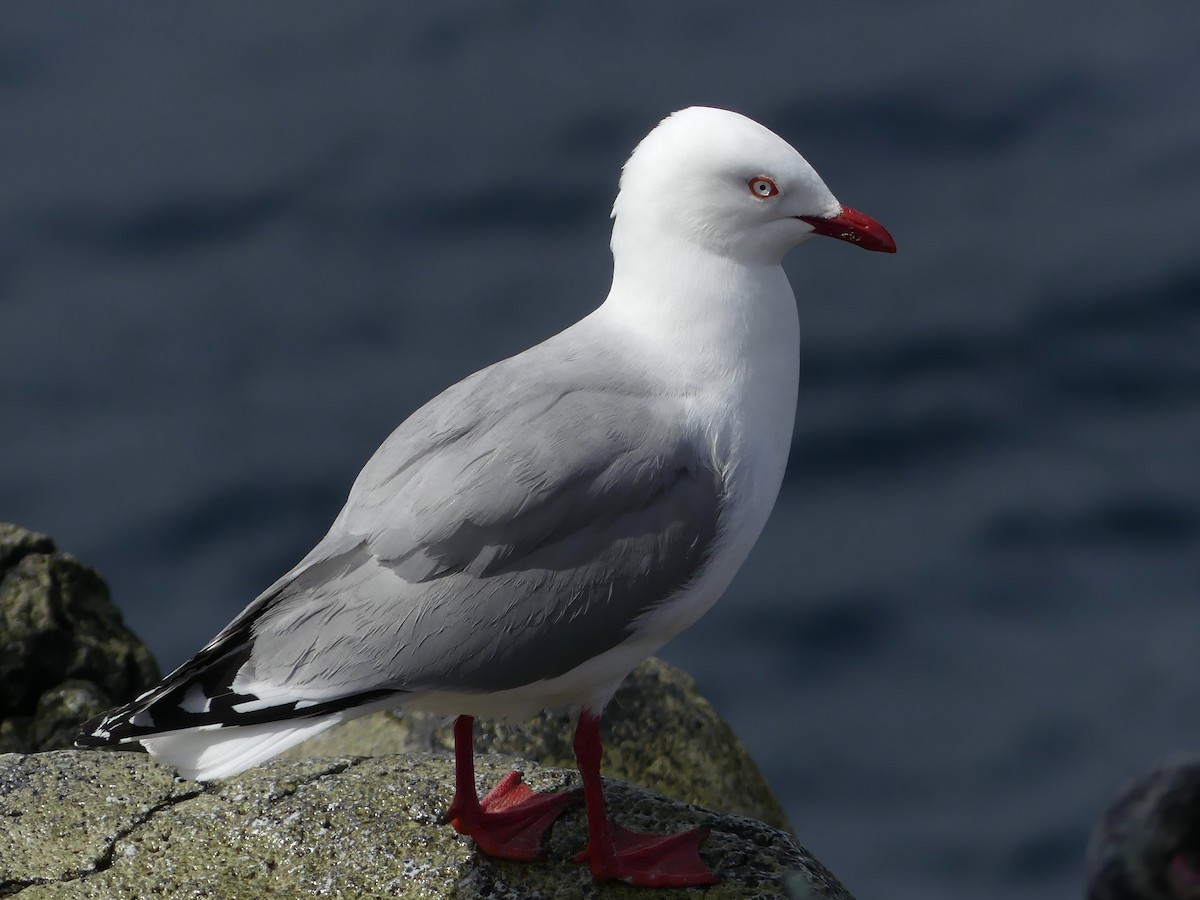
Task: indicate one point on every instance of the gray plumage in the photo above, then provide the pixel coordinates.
(493, 545)
(514, 527)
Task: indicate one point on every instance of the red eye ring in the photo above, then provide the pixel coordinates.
(762, 187)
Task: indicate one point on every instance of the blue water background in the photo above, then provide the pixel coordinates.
(240, 242)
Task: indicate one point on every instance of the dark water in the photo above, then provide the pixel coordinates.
(238, 244)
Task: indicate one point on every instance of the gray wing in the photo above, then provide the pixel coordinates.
(510, 530)
(516, 526)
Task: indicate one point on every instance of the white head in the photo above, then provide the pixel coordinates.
(723, 183)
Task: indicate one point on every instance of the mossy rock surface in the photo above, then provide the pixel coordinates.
(119, 825)
(354, 812)
(65, 653)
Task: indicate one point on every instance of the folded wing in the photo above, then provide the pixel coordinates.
(507, 532)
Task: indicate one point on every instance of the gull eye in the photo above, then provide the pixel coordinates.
(762, 187)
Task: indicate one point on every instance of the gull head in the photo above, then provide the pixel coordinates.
(724, 184)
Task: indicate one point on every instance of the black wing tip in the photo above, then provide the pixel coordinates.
(102, 730)
(88, 741)
(118, 726)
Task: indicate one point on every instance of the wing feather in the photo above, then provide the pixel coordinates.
(517, 525)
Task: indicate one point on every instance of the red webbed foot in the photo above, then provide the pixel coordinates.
(648, 860)
(510, 822)
(618, 854)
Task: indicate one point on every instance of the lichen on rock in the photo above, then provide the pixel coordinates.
(65, 653)
(356, 812)
(108, 825)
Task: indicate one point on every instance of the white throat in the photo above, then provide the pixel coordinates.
(713, 322)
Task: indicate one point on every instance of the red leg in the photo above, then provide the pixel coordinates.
(511, 819)
(617, 854)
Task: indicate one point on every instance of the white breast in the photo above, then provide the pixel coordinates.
(749, 415)
(727, 342)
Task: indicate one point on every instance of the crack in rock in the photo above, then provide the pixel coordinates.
(336, 769)
(107, 858)
(171, 800)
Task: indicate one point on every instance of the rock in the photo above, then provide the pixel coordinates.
(659, 733)
(65, 654)
(108, 825)
(329, 821)
(1144, 846)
